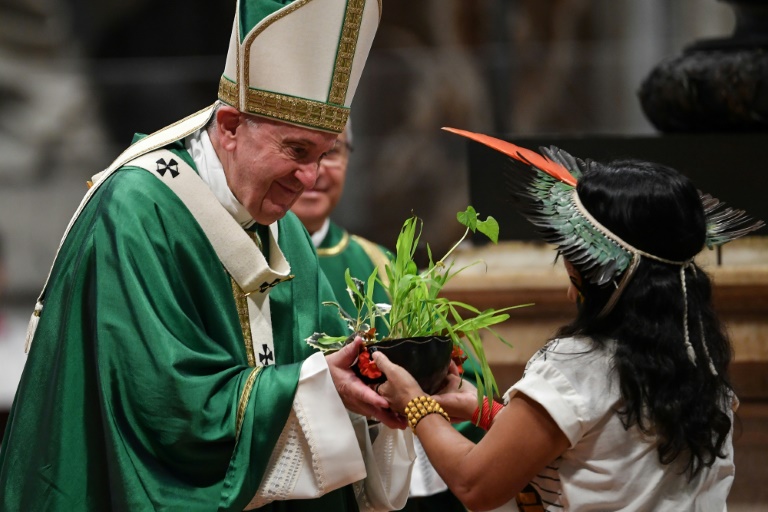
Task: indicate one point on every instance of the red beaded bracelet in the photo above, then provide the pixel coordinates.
(489, 411)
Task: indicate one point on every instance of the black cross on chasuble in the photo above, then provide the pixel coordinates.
(172, 166)
(266, 357)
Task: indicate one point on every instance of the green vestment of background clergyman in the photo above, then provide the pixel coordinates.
(338, 252)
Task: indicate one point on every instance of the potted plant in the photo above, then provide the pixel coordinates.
(426, 329)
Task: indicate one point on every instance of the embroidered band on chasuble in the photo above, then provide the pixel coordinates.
(251, 274)
(253, 308)
(268, 74)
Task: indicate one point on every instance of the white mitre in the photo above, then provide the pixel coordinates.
(299, 61)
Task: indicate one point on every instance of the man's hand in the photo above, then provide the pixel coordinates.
(355, 395)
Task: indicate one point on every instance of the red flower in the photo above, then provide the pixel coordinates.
(367, 366)
(458, 356)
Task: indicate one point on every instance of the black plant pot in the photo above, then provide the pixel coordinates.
(426, 358)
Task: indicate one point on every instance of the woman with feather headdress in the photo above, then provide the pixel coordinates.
(629, 407)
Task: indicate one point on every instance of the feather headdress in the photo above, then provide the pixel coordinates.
(544, 188)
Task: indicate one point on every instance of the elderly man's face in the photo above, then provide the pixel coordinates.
(269, 164)
(317, 202)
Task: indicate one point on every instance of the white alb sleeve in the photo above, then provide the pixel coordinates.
(324, 447)
(389, 456)
(317, 451)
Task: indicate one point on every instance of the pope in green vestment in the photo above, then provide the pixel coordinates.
(138, 393)
(167, 367)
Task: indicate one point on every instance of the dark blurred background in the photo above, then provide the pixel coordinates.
(79, 77)
(678, 81)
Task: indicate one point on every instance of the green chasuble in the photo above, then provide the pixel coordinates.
(339, 251)
(138, 393)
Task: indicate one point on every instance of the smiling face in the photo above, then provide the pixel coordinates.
(268, 164)
(317, 202)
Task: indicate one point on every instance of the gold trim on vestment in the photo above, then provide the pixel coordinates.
(242, 404)
(256, 239)
(241, 303)
(336, 249)
(345, 55)
(164, 141)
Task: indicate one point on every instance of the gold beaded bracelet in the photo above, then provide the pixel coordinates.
(420, 407)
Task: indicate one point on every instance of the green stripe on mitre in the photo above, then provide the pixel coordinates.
(252, 12)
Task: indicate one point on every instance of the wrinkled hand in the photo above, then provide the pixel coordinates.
(356, 395)
(400, 386)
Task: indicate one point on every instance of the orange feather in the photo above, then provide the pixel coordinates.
(526, 156)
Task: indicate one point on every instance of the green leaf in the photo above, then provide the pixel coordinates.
(490, 228)
(468, 218)
(325, 343)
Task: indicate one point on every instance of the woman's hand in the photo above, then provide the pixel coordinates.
(458, 398)
(400, 386)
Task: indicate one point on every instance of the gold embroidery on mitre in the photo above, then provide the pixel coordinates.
(286, 108)
(228, 92)
(336, 249)
(241, 303)
(297, 110)
(345, 55)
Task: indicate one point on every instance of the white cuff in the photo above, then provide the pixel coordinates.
(317, 452)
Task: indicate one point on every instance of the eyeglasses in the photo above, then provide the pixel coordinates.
(338, 154)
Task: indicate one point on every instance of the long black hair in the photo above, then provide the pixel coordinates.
(658, 210)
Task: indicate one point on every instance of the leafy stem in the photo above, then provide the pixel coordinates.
(417, 306)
